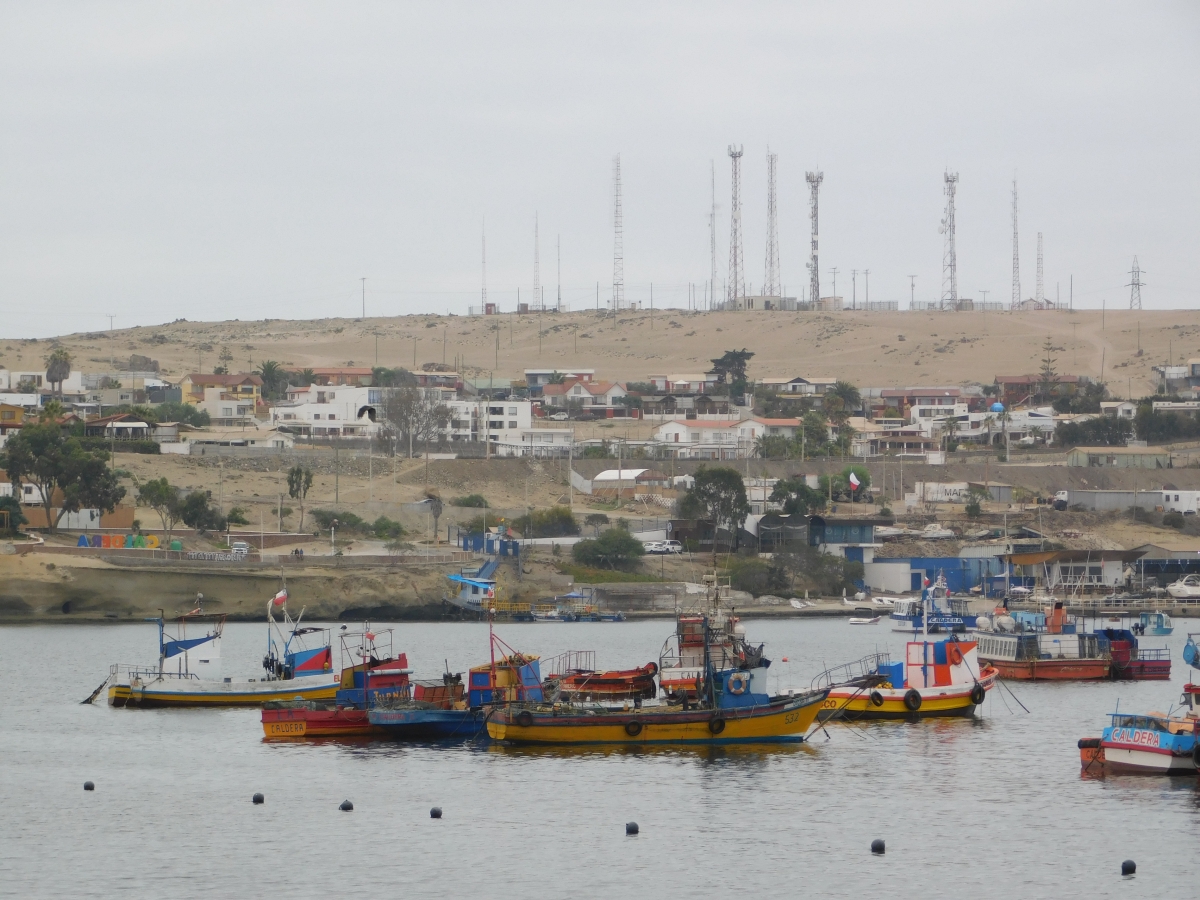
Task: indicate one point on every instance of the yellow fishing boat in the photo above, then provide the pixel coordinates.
(188, 671)
(786, 718)
(716, 690)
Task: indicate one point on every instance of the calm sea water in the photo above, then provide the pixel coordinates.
(993, 807)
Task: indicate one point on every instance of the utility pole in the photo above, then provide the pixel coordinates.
(712, 231)
(112, 364)
(364, 297)
(854, 288)
(834, 271)
(867, 288)
(912, 290)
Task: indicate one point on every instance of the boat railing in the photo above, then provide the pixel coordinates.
(570, 661)
(853, 672)
(145, 673)
(1157, 654)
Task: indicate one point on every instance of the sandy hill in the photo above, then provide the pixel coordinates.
(870, 349)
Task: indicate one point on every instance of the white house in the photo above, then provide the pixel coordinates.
(12, 381)
(330, 411)
(726, 439)
(540, 377)
(799, 385)
(588, 394)
(507, 425)
(1123, 409)
(684, 383)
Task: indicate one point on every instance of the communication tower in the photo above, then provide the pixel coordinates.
(949, 258)
(814, 180)
(537, 266)
(618, 297)
(1016, 282)
(771, 279)
(1041, 294)
(712, 237)
(736, 291)
(483, 299)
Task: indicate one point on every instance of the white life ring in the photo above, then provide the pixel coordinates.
(739, 683)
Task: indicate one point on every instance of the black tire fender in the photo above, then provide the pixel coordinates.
(633, 728)
(876, 698)
(912, 700)
(978, 694)
(1089, 743)
(716, 726)
(524, 718)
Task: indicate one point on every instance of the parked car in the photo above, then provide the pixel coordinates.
(558, 416)
(654, 546)
(672, 547)
(239, 548)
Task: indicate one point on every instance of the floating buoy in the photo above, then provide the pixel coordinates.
(631, 828)
(435, 813)
(785, 659)
(877, 847)
(346, 806)
(258, 798)
(88, 786)
(1128, 867)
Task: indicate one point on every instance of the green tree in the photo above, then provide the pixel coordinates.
(58, 367)
(721, 494)
(595, 520)
(165, 499)
(554, 522)
(1048, 378)
(730, 368)
(797, 497)
(848, 394)
(42, 456)
(299, 480)
(15, 517)
(273, 377)
(184, 413)
(198, 513)
(615, 549)
(237, 516)
(435, 510)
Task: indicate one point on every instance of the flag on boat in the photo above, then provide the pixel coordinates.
(854, 482)
(280, 598)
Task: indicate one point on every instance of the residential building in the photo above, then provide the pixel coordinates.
(197, 442)
(37, 380)
(539, 378)
(229, 389)
(585, 394)
(698, 406)
(1123, 409)
(804, 386)
(121, 427)
(722, 439)
(1017, 390)
(917, 403)
(330, 411)
(355, 376)
(684, 383)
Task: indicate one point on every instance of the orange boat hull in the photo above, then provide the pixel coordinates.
(1052, 669)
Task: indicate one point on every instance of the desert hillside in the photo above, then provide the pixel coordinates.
(870, 349)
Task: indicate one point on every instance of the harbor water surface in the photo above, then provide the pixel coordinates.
(993, 806)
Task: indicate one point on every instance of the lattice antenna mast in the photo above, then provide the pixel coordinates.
(1041, 296)
(712, 237)
(736, 291)
(1016, 281)
(949, 257)
(484, 296)
(537, 266)
(618, 298)
(771, 278)
(1135, 286)
(814, 180)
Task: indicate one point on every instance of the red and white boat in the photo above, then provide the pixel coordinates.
(575, 676)
(1049, 647)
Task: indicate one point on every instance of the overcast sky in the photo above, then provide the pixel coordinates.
(251, 160)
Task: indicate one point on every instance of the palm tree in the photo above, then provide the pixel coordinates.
(271, 373)
(851, 398)
(988, 422)
(58, 367)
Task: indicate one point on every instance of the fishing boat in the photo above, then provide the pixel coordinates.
(188, 671)
(370, 673)
(952, 615)
(1046, 646)
(716, 687)
(859, 620)
(1156, 623)
(1186, 588)
(1129, 659)
(936, 679)
(509, 677)
(574, 676)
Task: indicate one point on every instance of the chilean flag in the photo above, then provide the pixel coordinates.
(854, 482)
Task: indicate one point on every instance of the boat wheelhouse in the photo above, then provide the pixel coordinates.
(952, 615)
(1054, 651)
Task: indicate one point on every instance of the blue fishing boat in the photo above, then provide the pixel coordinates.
(1155, 623)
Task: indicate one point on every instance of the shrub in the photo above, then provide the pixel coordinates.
(16, 517)
(237, 516)
(554, 522)
(347, 522)
(385, 529)
(474, 501)
(1173, 520)
(615, 549)
(100, 443)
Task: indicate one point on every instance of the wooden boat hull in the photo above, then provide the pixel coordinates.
(296, 723)
(784, 719)
(1109, 759)
(1143, 670)
(854, 705)
(185, 693)
(427, 724)
(626, 684)
(1051, 669)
